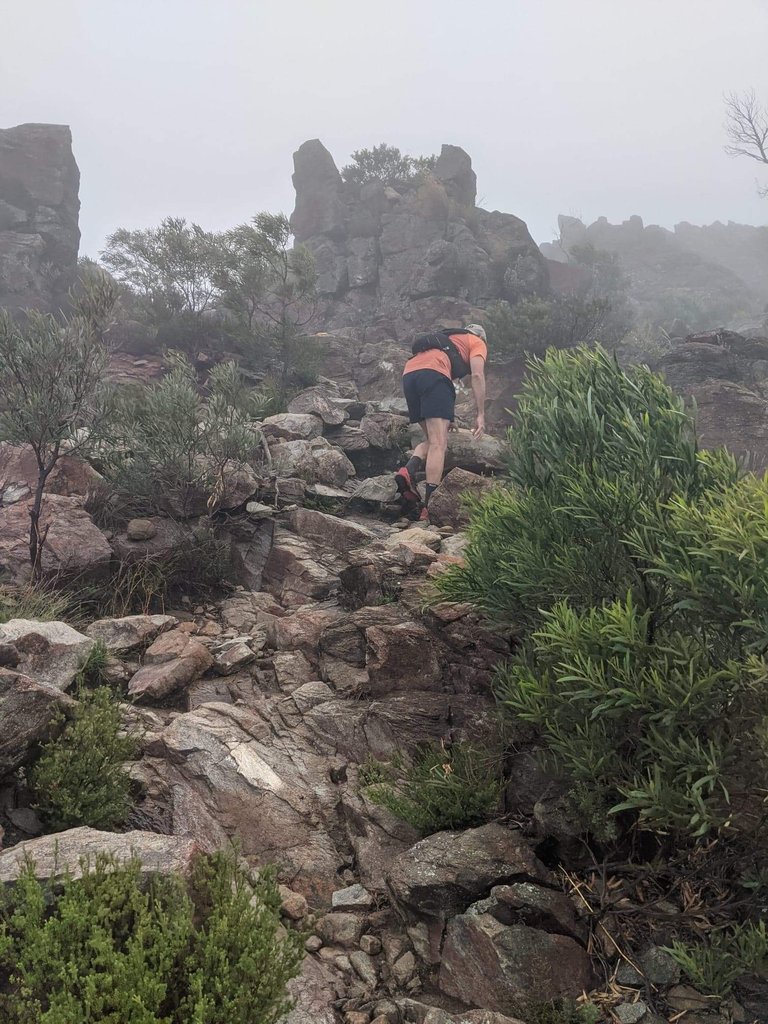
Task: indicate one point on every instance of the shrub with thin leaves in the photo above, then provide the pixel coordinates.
(442, 788)
(175, 443)
(715, 964)
(106, 949)
(79, 778)
(637, 564)
(594, 452)
(643, 723)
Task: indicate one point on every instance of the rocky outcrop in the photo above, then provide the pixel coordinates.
(676, 273)
(28, 711)
(39, 207)
(726, 375)
(402, 257)
(74, 545)
(50, 652)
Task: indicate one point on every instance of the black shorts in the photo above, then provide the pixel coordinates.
(430, 395)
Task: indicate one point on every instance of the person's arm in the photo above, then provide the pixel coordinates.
(477, 366)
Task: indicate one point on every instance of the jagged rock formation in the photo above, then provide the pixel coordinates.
(39, 206)
(399, 258)
(691, 271)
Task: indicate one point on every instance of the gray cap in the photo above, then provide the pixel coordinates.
(477, 329)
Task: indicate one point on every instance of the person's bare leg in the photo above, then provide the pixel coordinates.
(437, 435)
(422, 449)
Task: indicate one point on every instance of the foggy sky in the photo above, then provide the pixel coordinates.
(587, 107)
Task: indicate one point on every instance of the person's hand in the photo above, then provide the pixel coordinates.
(479, 430)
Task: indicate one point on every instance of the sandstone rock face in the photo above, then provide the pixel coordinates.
(664, 267)
(74, 545)
(27, 710)
(52, 653)
(726, 374)
(71, 477)
(65, 851)
(314, 461)
(406, 256)
(39, 207)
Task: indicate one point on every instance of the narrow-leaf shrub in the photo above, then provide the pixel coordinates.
(714, 965)
(443, 788)
(175, 444)
(106, 949)
(637, 564)
(79, 777)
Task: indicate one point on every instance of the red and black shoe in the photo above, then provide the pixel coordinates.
(406, 487)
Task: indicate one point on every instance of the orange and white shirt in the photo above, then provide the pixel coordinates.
(469, 346)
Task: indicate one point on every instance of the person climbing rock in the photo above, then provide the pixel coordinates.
(438, 359)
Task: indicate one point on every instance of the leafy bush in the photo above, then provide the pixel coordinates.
(175, 445)
(444, 788)
(534, 324)
(644, 723)
(595, 453)
(713, 966)
(170, 268)
(108, 949)
(640, 565)
(387, 164)
(79, 777)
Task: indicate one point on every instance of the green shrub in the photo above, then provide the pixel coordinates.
(563, 1011)
(79, 777)
(644, 724)
(595, 453)
(175, 445)
(106, 949)
(387, 164)
(639, 565)
(443, 788)
(713, 966)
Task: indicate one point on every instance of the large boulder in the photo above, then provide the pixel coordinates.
(505, 968)
(49, 652)
(293, 426)
(130, 633)
(330, 531)
(447, 506)
(28, 710)
(172, 662)
(74, 546)
(71, 476)
(39, 207)
(75, 851)
(295, 572)
(237, 771)
(314, 461)
(445, 873)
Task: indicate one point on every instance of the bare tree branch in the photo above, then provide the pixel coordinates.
(746, 126)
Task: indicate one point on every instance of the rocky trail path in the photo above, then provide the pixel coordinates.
(258, 713)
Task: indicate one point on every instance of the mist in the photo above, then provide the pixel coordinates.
(194, 108)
